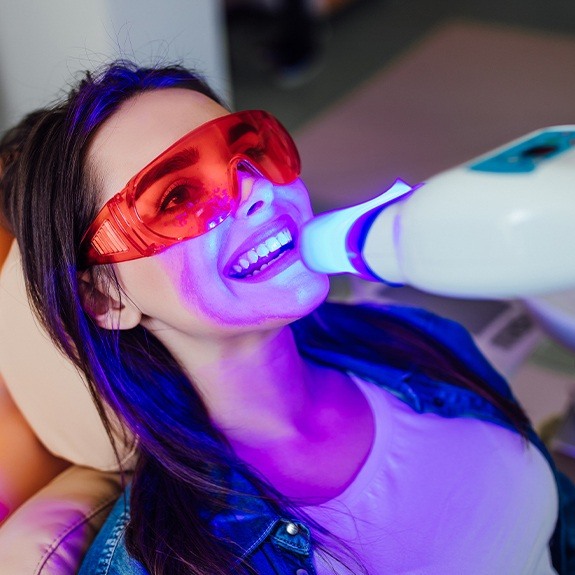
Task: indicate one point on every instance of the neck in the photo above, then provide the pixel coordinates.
(251, 382)
(305, 428)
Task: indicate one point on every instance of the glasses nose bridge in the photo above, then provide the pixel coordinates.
(244, 164)
(255, 190)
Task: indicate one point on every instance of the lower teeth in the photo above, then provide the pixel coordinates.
(264, 266)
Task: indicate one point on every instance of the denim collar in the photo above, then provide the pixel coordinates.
(249, 519)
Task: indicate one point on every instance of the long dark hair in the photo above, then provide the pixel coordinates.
(48, 201)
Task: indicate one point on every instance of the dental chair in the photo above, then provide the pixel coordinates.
(50, 532)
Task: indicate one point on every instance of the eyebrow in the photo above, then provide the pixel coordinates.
(182, 159)
(237, 131)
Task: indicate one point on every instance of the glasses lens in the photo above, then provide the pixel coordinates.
(271, 150)
(187, 190)
(186, 204)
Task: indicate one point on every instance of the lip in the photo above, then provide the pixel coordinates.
(263, 233)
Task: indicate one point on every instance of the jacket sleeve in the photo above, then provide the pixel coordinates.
(108, 554)
(562, 544)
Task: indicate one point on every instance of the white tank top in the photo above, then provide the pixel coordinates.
(439, 496)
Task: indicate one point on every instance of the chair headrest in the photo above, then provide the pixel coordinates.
(45, 385)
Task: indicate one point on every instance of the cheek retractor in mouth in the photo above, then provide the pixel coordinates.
(261, 256)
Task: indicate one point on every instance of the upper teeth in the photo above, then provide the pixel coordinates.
(268, 246)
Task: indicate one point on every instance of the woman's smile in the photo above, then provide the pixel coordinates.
(265, 253)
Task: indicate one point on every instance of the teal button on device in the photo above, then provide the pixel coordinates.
(528, 154)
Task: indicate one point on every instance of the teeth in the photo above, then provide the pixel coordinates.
(262, 250)
(273, 244)
(270, 245)
(284, 237)
(252, 256)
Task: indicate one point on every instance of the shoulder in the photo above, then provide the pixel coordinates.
(374, 316)
(348, 324)
(108, 554)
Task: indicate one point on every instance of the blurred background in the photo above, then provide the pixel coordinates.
(371, 89)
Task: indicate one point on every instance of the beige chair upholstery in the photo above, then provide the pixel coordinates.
(45, 386)
(51, 532)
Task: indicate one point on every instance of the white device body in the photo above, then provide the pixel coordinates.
(500, 226)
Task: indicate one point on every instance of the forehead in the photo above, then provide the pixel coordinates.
(141, 129)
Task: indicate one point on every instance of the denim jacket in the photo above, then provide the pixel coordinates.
(282, 545)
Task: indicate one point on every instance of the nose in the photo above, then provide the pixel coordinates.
(256, 192)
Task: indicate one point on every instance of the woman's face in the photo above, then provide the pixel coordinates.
(194, 287)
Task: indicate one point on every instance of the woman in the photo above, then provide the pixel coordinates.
(277, 434)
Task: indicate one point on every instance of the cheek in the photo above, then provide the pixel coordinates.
(170, 294)
(297, 193)
(189, 279)
(145, 284)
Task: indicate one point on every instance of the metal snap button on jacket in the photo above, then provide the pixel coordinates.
(292, 529)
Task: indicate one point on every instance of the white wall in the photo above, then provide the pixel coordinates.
(45, 44)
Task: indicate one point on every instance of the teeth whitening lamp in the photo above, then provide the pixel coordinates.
(500, 226)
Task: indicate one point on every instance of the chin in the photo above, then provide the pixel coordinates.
(296, 300)
(311, 294)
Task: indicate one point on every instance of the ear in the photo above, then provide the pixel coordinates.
(108, 310)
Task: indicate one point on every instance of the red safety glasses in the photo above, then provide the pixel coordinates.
(189, 188)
